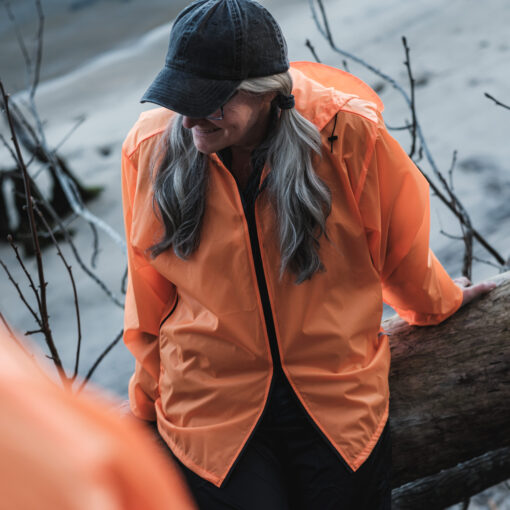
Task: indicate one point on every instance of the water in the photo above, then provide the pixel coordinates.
(75, 31)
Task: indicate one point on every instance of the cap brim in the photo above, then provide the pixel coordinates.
(187, 94)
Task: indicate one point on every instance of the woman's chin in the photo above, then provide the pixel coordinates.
(207, 143)
(208, 147)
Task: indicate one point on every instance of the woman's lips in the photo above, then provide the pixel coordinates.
(205, 132)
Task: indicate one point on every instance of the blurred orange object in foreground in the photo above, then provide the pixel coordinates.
(63, 451)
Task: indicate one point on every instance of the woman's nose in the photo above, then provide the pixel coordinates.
(189, 122)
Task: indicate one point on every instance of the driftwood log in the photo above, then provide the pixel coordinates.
(450, 403)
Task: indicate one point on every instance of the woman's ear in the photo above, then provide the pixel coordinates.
(270, 96)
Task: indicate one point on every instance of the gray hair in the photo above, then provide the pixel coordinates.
(301, 200)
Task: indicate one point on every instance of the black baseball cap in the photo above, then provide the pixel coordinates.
(214, 46)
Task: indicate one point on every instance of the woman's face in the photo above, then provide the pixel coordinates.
(244, 124)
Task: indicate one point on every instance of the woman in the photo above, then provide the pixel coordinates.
(268, 213)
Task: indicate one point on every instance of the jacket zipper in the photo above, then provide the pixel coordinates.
(249, 215)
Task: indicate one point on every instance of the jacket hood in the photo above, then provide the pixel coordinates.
(321, 91)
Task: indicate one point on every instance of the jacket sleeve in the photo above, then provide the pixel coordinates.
(148, 296)
(395, 206)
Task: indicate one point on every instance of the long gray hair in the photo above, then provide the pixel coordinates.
(301, 200)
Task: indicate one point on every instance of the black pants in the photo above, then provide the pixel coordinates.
(288, 465)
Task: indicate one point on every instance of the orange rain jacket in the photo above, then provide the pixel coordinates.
(61, 451)
(197, 328)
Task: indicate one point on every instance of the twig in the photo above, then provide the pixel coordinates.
(95, 246)
(66, 183)
(452, 168)
(499, 103)
(451, 236)
(9, 148)
(489, 263)
(38, 146)
(34, 332)
(476, 234)
(38, 51)
(312, 49)
(453, 203)
(99, 359)
(19, 36)
(77, 124)
(33, 229)
(58, 221)
(20, 293)
(75, 293)
(25, 270)
(326, 31)
(412, 105)
(399, 128)
(14, 337)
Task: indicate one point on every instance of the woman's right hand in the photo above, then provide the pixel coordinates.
(470, 291)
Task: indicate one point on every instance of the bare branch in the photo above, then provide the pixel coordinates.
(452, 168)
(451, 236)
(25, 270)
(19, 36)
(9, 148)
(36, 144)
(95, 245)
(34, 332)
(20, 293)
(75, 293)
(399, 128)
(325, 30)
(499, 103)
(312, 49)
(412, 105)
(63, 230)
(501, 269)
(80, 120)
(452, 202)
(44, 317)
(461, 219)
(99, 359)
(38, 52)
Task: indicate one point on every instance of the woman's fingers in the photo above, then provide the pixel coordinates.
(462, 281)
(471, 292)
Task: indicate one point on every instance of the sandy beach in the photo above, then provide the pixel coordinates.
(100, 56)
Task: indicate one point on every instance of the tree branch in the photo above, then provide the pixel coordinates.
(499, 103)
(452, 203)
(44, 317)
(99, 359)
(75, 293)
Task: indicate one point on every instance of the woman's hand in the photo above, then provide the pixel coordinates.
(471, 291)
